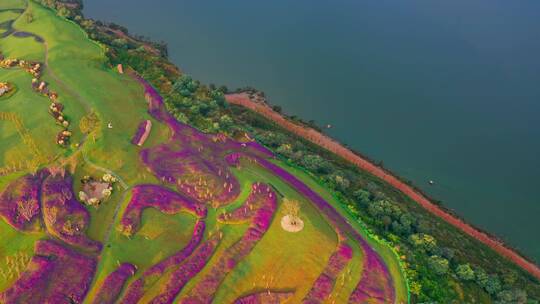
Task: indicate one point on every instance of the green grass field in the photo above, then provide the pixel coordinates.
(76, 68)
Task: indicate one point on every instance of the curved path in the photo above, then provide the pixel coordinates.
(243, 99)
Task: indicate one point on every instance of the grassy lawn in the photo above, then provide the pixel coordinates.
(6, 4)
(386, 253)
(40, 124)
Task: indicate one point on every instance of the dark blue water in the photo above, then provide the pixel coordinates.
(441, 90)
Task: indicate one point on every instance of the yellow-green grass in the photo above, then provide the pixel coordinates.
(22, 48)
(384, 250)
(7, 4)
(32, 109)
(8, 15)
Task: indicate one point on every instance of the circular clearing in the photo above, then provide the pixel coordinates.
(292, 224)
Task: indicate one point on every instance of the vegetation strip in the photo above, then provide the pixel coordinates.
(326, 281)
(364, 164)
(114, 283)
(265, 201)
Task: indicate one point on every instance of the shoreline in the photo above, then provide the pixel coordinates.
(328, 143)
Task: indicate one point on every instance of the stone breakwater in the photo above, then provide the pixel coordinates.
(114, 283)
(56, 274)
(136, 290)
(20, 202)
(163, 199)
(263, 197)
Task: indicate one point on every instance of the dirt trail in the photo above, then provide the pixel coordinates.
(243, 99)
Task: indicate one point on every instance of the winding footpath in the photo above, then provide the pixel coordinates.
(243, 99)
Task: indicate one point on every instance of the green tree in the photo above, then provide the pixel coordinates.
(362, 196)
(120, 43)
(493, 284)
(63, 12)
(226, 122)
(315, 163)
(89, 124)
(481, 277)
(423, 241)
(465, 272)
(438, 264)
(513, 296)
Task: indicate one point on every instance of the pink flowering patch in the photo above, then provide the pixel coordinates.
(114, 283)
(189, 269)
(324, 284)
(267, 297)
(163, 199)
(376, 283)
(20, 202)
(64, 217)
(264, 200)
(193, 161)
(56, 274)
(259, 194)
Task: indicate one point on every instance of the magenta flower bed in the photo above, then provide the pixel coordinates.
(163, 199)
(143, 130)
(376, 281)
(266, 297)
(136, 289)
(192, 161)
(264, 199)
(325, 283)
(64, 217)
(114, 283)
(56, 274)
(189, 269)
(251, 206)
(20, 202)
(194, 169)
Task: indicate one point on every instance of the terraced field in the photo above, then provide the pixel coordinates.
(184, 217)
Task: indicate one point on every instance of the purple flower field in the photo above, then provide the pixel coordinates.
(20, 202)
(163, 199)
(267, 297)
(56, 274)
(64, 217)
(114, 283)
(324, 284)
(265, 201)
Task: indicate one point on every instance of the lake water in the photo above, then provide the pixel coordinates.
(439, 90)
